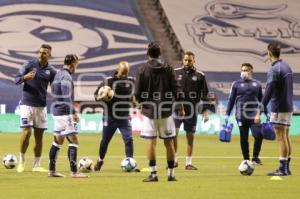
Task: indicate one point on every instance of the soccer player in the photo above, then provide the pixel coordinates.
(194, 86)
(279, 90)
(35, 76)
(65, 117)
(246, 94)
(156, 88)
(116, 113)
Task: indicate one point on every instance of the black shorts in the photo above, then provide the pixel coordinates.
(189, 124)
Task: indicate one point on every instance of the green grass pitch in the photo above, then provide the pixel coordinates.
(217, 176)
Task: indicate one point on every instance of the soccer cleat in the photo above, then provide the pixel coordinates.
(172, 178)
(150, 178)
(78, 175)
(39, 169)
(21, 167)
(98, 165)
(55, 174)
(257, 160)
(277, 172)
(190, 167)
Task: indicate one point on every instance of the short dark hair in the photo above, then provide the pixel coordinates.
(47, 46)
(189, 53)
(153, 50)
(274, 49)
(247, 65)
(70, 59)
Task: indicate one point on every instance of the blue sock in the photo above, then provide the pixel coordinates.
(72, 155)
(53, 156)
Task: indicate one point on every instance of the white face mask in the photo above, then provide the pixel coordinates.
(244, 75)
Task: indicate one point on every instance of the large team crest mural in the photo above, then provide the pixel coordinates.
(235, 28)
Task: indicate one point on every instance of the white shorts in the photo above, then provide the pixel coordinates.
(283, 119)
(35, 117)
(165, 128)
(64, 125)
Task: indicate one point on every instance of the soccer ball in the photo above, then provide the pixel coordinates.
(86, 165)
(128, 164)
(105, 93)
(246, 168)
(9, 161)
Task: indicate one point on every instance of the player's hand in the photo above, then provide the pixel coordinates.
(75, 118)
(30, 75)
(205, 116)
(257, 119)
(181, 112)
(226, 119)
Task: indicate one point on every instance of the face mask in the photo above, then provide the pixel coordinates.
(244, 75)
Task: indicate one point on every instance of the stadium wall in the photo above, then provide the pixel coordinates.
(92, 123)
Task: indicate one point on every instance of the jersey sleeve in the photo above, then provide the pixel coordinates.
(19, 79)
(232, 98)
(101, 84)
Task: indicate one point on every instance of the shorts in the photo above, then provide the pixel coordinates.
(64, 125)
(164, 127)
(189, 124)
(35, 117)
(282, 119)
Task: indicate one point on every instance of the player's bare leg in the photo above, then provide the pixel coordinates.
(189, 151)
(170, 158)
(38, 136)
(175, 147)
(152, 161)
(24, 143)
(290, 150)
(281, 137)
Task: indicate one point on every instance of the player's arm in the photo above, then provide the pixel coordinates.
(67, 93)
(138, 86)
(53, 73)
(177, 92)
(24, 74)
(231, 100)
(203, 90)
(259, 97)
(272, 78)
(97, 90)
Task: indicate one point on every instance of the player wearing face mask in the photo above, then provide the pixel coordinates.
(246, 94)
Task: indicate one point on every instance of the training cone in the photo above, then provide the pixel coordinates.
(145, 170)
(276, 178)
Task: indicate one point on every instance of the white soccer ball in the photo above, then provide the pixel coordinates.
(128, 164)
(105, 93)
(246, 168)
(10, 161)
(86, 165)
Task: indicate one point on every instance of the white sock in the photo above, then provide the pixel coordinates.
(22, 158)
(153, 171)
(188, 160)
(283, 158)
(171, 172)
(37, 162)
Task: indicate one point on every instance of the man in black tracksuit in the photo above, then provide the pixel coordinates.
(156, 89)
(116, 111)
(246, 94)
(195, 90)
